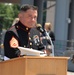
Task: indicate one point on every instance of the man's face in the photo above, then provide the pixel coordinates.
(28, 18)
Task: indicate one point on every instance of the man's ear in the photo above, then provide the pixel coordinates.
(19, 15)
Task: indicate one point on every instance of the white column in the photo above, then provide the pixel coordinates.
(61, 19)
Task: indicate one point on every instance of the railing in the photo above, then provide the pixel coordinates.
(61, 46)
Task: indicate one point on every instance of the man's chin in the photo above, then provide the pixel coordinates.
(32, 26)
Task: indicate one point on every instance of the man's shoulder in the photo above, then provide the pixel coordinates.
(34, 30)
(11, 28)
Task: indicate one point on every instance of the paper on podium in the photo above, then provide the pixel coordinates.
(30, 52)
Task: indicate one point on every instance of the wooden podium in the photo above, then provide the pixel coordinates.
(34, 65)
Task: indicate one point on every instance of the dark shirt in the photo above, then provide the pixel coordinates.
(52, 36)
(23, 35)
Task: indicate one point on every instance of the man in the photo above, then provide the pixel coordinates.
(19, 34)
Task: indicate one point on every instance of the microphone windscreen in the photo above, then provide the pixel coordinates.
(39, 25)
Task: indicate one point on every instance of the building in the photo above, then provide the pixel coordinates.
(60, 13)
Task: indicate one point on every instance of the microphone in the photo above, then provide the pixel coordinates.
(39, 28)
(48, 38)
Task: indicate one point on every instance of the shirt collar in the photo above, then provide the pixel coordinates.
(23, 27)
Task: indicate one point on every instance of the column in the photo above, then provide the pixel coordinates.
(26, 2)
(71, 25)
(61, 19)
(39, 3)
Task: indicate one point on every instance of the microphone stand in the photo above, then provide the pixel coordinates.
(52, 46)
(47, 37)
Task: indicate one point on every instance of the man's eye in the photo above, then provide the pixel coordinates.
(35, 17)
(32, 17)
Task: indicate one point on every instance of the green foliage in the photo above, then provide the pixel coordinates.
(8, 13)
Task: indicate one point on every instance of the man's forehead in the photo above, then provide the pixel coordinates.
(31, 12)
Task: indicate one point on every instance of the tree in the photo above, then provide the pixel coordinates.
(8, 12)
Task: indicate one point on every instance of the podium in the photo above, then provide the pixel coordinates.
(34, 65)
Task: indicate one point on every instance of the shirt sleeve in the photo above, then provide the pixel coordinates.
(9, 51)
